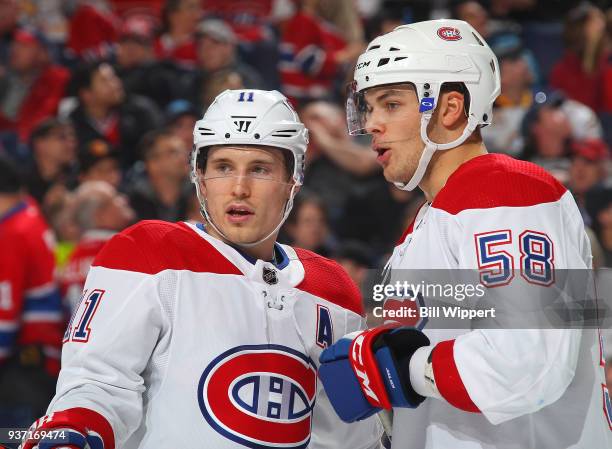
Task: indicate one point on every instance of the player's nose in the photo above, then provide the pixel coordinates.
(374, 124)
(241, 186)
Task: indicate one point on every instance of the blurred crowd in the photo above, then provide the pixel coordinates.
(98, 99)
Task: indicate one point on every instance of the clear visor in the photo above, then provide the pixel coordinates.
(371, 108)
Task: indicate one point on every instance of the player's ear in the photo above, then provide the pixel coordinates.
(452, 112)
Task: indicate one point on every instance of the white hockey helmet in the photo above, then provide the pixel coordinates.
(250, 117)
(427, 55)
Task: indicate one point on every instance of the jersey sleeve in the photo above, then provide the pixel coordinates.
(108, 343)
(12, 286)
(508, 372)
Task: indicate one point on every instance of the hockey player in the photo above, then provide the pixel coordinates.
(208, 336)
(423, 91)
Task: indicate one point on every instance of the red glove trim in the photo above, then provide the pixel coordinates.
(365, 366)
(81, 419)
(447, 377)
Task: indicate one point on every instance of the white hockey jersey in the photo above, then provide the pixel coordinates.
(181, 341)
(504, 388)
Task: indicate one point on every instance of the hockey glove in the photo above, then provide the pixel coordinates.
(367, 371)
(75, 428)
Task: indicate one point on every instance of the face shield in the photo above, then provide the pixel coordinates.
(376, 107)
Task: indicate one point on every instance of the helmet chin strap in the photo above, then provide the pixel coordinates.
(209, 220)
(431, 147)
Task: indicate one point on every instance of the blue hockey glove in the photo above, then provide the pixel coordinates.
(367, 371)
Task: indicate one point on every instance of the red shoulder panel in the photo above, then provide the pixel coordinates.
(328, 280)
(152, 246)
(496, 180)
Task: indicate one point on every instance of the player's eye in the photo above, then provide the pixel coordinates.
(261, 170)
(223, 169)
(392, 106)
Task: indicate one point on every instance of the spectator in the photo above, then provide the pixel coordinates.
(249, 18)
(587, 170)
(53, 147)
(335, 162)
(308, 226)
(9, 12)
(176, 41)
(137, 66)
(181, 117)
(603, 228)
(30, 308)
(98, 161)
(164, 193)
(253, 23)
(92, 32)
(217, 51)
(580, 73)
(99, 212)
(31, 89)
(474, 13)
(105, 112)
(517, 78)
(326, 123)
(355, 258)
(313, 58)
(550, 125)
(218, 82)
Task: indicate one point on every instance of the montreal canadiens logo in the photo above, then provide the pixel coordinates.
(260, 396)
(449, 34)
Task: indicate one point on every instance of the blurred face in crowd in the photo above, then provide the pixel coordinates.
(106, 170)
(515, 73)
(26, 56)
(168, 159)
(9, 12)
(322, 117)
(214, 54)
(550, 131)
(133, 52)
(114, 212)
(584, 174)
(394, 121)
(474, 14)
(604, 219)
(246, 190)
(309, 230)
(59, 145)
(182, 128)
(186, 17)
(218, 82)
(106, 89)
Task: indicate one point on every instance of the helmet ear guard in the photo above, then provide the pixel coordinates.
(428, 55)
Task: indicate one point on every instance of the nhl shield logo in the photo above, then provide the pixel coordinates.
(269, 276)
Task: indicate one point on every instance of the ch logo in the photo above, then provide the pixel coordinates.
(260, 396)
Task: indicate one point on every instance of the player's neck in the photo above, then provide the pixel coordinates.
(444, 163)
(263, 250)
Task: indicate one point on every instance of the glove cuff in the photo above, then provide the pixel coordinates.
(402, 344)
